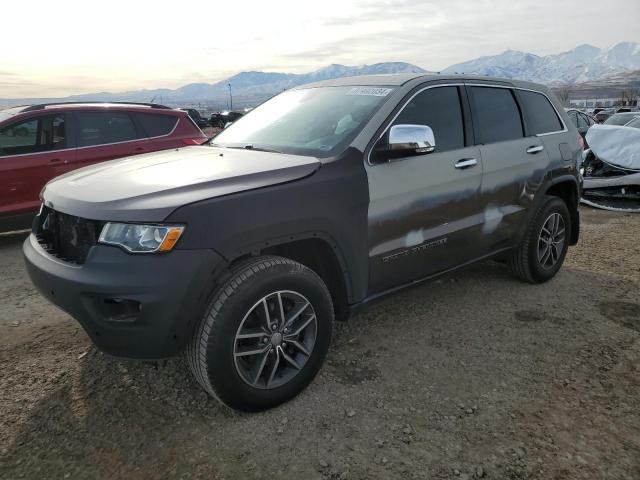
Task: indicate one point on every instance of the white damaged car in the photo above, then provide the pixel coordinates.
(611, 168)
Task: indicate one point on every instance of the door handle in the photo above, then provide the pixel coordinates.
(55, 160)
(466, 163)
(535, 149)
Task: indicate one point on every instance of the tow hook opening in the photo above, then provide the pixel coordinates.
(120, 310)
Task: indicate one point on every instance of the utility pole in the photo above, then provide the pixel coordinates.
(230, 98)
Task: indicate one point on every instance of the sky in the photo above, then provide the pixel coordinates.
(69, 46)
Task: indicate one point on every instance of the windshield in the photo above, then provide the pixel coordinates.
(4, 116)
(635, 123)
(313, 121)
(619, 119)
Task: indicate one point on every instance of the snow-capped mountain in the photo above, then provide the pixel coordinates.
(583, 63)
(261, 83)
(249, 86)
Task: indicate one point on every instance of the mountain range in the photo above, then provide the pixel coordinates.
(584, 63)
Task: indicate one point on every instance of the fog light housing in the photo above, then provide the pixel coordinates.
(120, 310)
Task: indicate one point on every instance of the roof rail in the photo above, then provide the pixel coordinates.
(42, 106)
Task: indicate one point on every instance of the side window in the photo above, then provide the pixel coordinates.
(156, 125)
(101, 128)
(496, 115)
(19, 138)
(52, 133)
(573, 116)
(438, 108)
(540, 114)
(34, 135)
(583, 121)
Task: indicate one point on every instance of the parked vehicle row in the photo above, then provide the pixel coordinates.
(243, 252)
(218, 120)
(221, 120)
(40, 142)
(197, 118)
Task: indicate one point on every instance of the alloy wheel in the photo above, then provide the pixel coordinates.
(275, 339)
(551, 241)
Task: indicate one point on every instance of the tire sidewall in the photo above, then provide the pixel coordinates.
(553, 205)
(221, 368)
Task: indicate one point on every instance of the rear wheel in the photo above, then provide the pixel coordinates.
(264, 336)
(542, 251)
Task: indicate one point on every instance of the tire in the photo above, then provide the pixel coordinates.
(239, 322)
(525, 261)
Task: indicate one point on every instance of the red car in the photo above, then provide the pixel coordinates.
(40, 142)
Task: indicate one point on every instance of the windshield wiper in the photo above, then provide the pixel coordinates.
(249, 146)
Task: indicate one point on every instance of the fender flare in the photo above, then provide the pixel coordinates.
(257, 246)
(573, 209)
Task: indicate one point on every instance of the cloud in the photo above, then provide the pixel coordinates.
(287, 36)
(390, 11)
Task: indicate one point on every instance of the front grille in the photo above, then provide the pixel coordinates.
(66, 237)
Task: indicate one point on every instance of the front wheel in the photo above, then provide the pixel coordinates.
(544, 246)
(264, 336)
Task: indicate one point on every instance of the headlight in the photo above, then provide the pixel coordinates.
(141, 238)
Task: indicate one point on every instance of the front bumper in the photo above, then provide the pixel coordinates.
(617, 181)
(138, 306)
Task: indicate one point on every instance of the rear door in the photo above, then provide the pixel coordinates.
(514, 165)
(106, 135)
(543, 122)
(32, 152)
(423, 211)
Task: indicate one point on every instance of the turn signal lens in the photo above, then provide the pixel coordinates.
(170, 240)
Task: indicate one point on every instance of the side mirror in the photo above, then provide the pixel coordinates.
(411, 140)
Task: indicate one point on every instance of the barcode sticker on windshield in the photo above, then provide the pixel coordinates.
(373, 91)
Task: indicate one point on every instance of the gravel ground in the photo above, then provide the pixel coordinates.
(472, 376)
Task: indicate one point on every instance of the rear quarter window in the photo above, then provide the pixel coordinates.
(540, 115)
(496, 115)
(156, 125)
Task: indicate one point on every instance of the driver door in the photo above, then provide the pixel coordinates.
(424, 213)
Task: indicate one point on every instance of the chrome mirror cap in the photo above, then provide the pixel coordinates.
(414, 138)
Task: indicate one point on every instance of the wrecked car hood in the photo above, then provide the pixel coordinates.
(619, 146)
(149, 187)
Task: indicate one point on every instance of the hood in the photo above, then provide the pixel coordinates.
(149, 187)
(616, 145)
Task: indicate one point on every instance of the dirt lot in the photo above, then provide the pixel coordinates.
(475, 375)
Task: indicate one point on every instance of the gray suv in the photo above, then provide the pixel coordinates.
(242, 253)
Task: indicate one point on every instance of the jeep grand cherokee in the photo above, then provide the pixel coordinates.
(242, 253)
